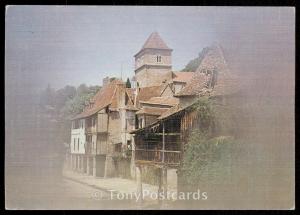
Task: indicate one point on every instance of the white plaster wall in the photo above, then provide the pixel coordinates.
(78, 133)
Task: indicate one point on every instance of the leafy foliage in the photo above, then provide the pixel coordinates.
(208, 156)
(76, 104)
(205, 112)
(58, 105)
(207, 161)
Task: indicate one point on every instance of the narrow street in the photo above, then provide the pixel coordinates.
(26, 190)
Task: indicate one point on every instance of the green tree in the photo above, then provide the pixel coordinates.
(128, 84)
(64, 94)
(208, 156)
(207, 161)
(76, 104)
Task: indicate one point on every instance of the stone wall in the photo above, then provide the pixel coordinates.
(153, 76)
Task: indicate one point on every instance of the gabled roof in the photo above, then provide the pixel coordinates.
(170, 101)
(103, 98)
(183, 77)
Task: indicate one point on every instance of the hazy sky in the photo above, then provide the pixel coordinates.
(82, 44)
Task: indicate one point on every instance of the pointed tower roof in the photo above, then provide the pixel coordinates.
(154, 41)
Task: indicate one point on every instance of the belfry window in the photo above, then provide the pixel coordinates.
(158, 58)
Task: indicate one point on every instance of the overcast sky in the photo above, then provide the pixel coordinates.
(82, 44)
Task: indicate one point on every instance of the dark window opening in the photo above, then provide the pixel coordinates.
(76, 124)
(158, 58)
(126, 99)
(118, 147)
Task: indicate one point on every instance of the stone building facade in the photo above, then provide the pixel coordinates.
(153, 63)
(115, 111)
(105, 127)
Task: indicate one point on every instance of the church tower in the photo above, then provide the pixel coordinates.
(153, 63)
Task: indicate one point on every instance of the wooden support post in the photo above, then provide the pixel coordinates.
(94, 166)
(165, 182)
(159, 184)
(164, 169)
(87, 165)
(82, 163)
(71, 162)
(77, 163)
(163, 146)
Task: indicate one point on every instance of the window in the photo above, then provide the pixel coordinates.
(158, 58)
(118, 147)
(74, 144)
(140, 122)
(93, 122)
(78, 145)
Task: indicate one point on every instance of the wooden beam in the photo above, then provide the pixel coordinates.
(163, 142)
(167, 134)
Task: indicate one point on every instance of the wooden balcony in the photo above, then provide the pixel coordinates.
(160, 157)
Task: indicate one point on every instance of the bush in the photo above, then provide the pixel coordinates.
(207, 161)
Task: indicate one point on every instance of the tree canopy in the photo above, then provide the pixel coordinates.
(76, 104)
(67, 101)
(208, 155)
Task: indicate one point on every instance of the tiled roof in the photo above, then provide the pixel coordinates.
(227, 82)
(152, 111)
(195, 86)
(171, 111)
(154, 41)
(213, 59)
(145, 93)
(104, 97)
(171, 101)
(183, 76)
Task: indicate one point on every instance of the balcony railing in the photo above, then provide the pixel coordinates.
(156, 156)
